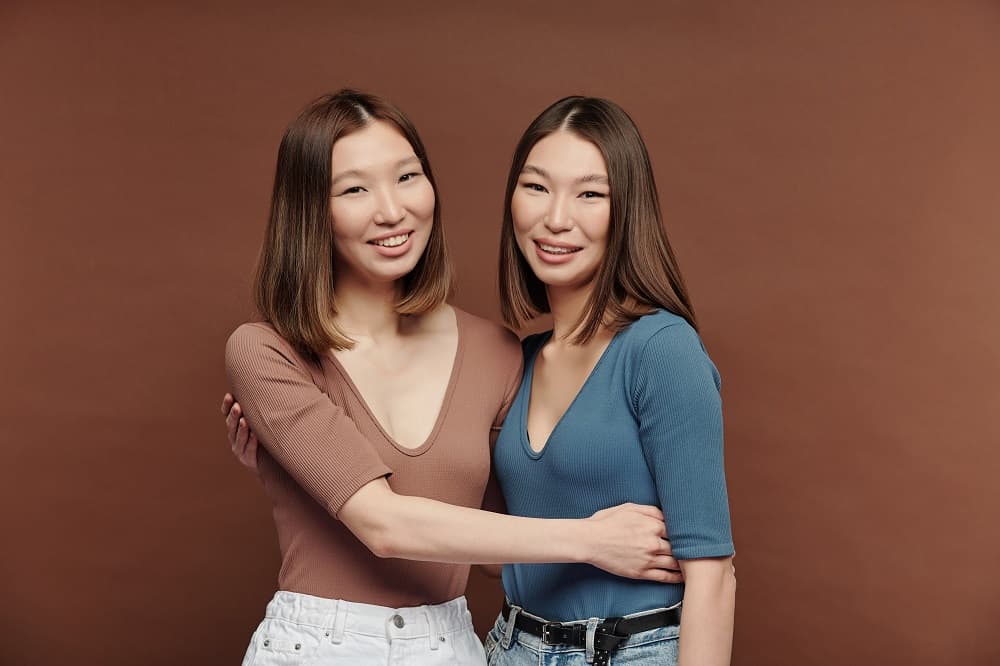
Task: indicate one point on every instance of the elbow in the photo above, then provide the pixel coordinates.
(712, 578)
(380, 538)
(381, 546)
(376, 516)
(384, 537)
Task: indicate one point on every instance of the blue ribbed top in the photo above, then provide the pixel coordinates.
(646, 427)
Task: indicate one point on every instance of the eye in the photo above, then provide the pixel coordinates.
(357, 189)
(590, 194)
(409, 176)
(534, 187)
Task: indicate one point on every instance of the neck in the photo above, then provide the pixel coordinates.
(567, 305)
(366, 310)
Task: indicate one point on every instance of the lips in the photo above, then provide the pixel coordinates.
(391, 241)
(552, 252)
(558, 249)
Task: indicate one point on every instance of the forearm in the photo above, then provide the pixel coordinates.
(418, 528)
(706, 634)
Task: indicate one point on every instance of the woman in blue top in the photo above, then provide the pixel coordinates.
(618, 403)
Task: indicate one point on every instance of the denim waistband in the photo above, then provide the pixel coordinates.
(358, 618)
(535, 642)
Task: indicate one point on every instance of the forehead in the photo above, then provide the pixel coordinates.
(566, 154)
(374, 145)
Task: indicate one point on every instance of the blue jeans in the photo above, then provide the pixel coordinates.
(509, 646)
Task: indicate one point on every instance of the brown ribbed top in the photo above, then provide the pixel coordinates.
(320, 444)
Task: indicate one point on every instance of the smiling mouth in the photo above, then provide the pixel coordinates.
(553, 249)
(392, 241)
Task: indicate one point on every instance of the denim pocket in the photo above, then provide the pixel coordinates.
(657, 646)
(282, 642)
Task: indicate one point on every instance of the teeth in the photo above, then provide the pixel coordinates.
(557, 250)
(394, 241)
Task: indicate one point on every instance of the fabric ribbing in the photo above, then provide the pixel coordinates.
(320, 444)
(646, 427)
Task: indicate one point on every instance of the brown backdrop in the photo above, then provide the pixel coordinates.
(829, 177)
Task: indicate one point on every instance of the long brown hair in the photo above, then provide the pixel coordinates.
(639, 272)
(293, 283)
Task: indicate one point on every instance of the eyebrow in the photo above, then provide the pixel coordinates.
(359, 173)
(589, 178)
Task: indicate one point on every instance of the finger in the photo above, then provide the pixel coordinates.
(232, 422)
(646, 510)
(663, 576)
(658, 575)
(227, 402)
(242, 434)
(250, 452)
(665, 562)
(672, 576)
(665, 547)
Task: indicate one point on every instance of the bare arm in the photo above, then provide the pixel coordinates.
(709, 607)
(372, 515)
(306, 434)
(625, 539)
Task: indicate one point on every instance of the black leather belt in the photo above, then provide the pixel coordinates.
(610, 633)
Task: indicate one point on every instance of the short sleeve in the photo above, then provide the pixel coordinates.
(300, 427)
(511, 351)
(679, 408)
(493, 499)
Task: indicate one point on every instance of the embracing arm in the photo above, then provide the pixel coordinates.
(394, 525)
(321, 448)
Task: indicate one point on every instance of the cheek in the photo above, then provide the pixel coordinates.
(523, 212)
(349, 218)
(422, 201)
(596, 223)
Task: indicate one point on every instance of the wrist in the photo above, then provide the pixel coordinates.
(584, 541)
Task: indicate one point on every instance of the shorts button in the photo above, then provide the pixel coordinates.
(398, 621)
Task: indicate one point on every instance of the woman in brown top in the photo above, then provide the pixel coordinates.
(375, 404)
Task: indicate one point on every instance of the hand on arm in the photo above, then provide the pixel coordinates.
(625, 540)
(312, 438)
(242, 440)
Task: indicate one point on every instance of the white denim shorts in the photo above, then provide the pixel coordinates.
(302, 629)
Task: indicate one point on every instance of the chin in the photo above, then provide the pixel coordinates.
(553, 277)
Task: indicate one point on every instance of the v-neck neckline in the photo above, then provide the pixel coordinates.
(529, 378)
(445, 402)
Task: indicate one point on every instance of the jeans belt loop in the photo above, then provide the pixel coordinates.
(339, 620)
(591, 629)
(432, 629)
(508, 631)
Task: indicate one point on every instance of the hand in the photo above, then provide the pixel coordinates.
(630, 541)
(242, 439)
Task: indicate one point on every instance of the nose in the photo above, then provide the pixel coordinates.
(557, 217)
(388, 209)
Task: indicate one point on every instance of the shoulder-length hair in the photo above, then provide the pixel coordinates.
(639, 272)
(293, 283)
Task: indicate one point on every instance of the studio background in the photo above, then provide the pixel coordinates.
(828, 173)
